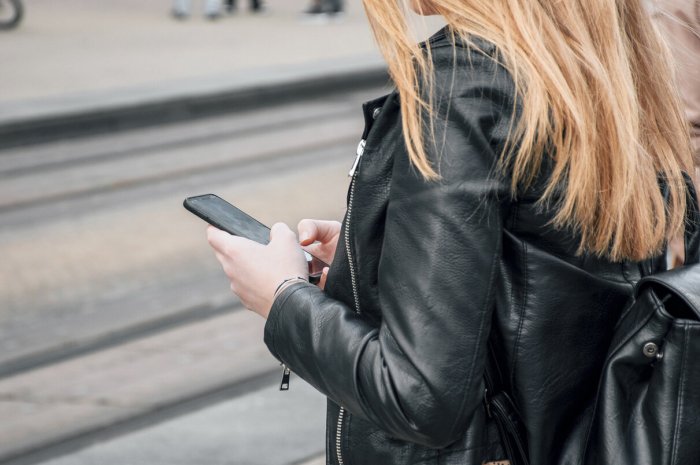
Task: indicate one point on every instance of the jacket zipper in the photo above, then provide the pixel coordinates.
(353, 171)
(360, 151)
(353, 279)
(286, 372)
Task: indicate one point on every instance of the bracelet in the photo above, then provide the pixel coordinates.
(283, 285)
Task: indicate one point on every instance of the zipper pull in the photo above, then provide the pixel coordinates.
(284, 386)
(360, 151)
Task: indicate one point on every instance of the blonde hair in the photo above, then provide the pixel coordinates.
(596, 94)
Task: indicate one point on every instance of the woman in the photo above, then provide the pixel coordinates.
(503, 201)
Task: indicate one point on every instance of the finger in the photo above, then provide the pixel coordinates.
(324, 277)
(216, 238)
(281, 231)
(225, 263)
(313, 248)
(220, 257)
(316, 230)
(223, 242)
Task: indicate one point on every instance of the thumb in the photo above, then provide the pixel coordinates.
(318, 230)
(307, 231)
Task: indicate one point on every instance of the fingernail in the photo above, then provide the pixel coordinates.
(303, 237)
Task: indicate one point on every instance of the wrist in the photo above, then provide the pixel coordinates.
(285, 283)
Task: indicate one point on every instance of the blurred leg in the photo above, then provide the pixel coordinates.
(212, 8)
(181, 8)
(315, 7)
(334, 6)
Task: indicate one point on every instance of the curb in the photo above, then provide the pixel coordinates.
(75, 116)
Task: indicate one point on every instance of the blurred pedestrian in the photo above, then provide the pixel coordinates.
(324, 9)
(680, 22)
(256, 6)
(182, 9)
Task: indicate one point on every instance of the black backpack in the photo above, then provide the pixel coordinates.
(647, 408)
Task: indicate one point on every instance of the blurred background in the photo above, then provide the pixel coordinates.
(120, 342)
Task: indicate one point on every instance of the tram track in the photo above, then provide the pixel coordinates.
(73, 443)
(166, 160)
(151, 407)
(254, 164)
(16, 162)
(260, 160)
(110, 198)
(98, 340)
(113, 338)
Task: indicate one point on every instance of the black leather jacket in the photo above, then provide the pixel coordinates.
(428, 274)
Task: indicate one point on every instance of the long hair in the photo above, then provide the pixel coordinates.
(594, 86)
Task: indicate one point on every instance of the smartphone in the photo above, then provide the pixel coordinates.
(221, 214)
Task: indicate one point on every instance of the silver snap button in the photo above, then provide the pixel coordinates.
(376, 112)
(650, 350)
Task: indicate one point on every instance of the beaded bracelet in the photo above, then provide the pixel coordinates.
(286, 282)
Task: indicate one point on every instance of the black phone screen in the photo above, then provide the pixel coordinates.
(218, 212)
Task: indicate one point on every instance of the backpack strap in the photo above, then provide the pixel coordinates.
(681, 283)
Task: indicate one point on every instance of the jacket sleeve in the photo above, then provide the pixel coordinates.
(418, 375)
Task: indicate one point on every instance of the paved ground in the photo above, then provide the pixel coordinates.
(100, 255)
(93, 235)
(267, 427)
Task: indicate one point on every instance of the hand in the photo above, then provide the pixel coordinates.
(255, 270)
(320, 239)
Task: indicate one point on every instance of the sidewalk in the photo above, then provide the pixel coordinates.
(79, 57)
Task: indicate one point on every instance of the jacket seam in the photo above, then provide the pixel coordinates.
(679, 403)
(489, 295)
(521, 313)
(513, 300)
(286, 294)
(328, 436)
(363, 346)
(345, 434)
(273, 330)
